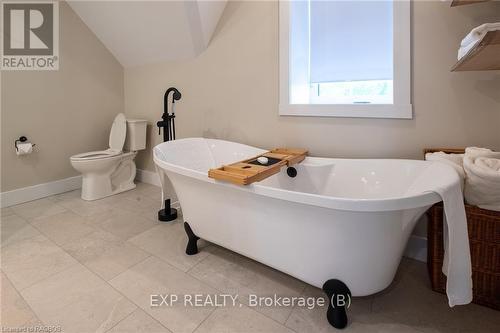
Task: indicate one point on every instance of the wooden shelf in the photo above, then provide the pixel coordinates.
(483, 57)
(455, 3)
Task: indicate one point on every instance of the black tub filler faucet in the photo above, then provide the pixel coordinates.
(168, 124)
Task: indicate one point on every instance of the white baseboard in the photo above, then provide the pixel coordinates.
(39, 191)
(416, 248)
(148, 177)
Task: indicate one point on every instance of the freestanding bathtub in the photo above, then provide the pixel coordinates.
(342, 219)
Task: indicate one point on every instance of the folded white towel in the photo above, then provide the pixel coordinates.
(475, 36)
(443, 180)
(482, 181)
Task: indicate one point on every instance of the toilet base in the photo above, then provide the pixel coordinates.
(96, 187)
(120, 190)
(120, 179)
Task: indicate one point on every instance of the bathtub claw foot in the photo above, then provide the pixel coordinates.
(192, 246)
(339, 297)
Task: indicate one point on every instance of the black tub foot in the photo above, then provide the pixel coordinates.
(192, 246)
(339, 296)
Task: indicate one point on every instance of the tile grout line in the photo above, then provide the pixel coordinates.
(204, 283)
(201, 323)
(199, 262)
(123, 241)
(89, 222)
(131, 300)
(149, 255)
(119, 292)
(131, 313)
(372, 302)
(221, 291)
(70, 267)
(107, 283)
(19, 291)
(302, 293)
(288, 317)
(61, 246)
(22, 297)
(120, 321)
(53, 243)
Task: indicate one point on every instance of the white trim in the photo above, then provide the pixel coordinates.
(401, 108)
(284, 51)
(148, 177)
(30, 193)
(416, 248)
(39, 191)
(347, 110)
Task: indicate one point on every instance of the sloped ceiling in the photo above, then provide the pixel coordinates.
(143, 32)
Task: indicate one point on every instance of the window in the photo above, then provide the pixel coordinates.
(345, 58)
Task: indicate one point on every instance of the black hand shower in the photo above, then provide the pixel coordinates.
(168, 124)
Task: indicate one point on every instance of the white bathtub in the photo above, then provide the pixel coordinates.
(339, 219)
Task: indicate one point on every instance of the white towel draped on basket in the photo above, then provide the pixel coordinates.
(443, 180)
(453, 160)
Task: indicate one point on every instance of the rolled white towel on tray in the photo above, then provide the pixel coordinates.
(482, 182)
(475, 36)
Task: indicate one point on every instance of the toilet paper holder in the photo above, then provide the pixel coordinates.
(21, 139)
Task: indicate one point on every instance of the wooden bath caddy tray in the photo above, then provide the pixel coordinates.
(249, 171)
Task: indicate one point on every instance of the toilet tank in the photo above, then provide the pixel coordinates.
(136, 135)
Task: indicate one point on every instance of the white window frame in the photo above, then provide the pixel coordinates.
(401, 107)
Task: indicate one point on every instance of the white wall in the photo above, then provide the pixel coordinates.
(230, 91)
(63, 112)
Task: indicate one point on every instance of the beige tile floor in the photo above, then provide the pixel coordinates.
(93, 266)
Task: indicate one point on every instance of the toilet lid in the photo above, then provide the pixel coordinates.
(118, 132)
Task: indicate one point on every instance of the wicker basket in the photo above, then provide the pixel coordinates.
(484, 237)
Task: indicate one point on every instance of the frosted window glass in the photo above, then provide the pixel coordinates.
(341, 52)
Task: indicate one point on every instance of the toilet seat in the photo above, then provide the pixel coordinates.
(95, 155)
(116, 141)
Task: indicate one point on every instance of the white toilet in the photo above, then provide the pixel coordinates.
(113, 170)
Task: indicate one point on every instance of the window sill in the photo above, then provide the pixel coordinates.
(347, 110)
